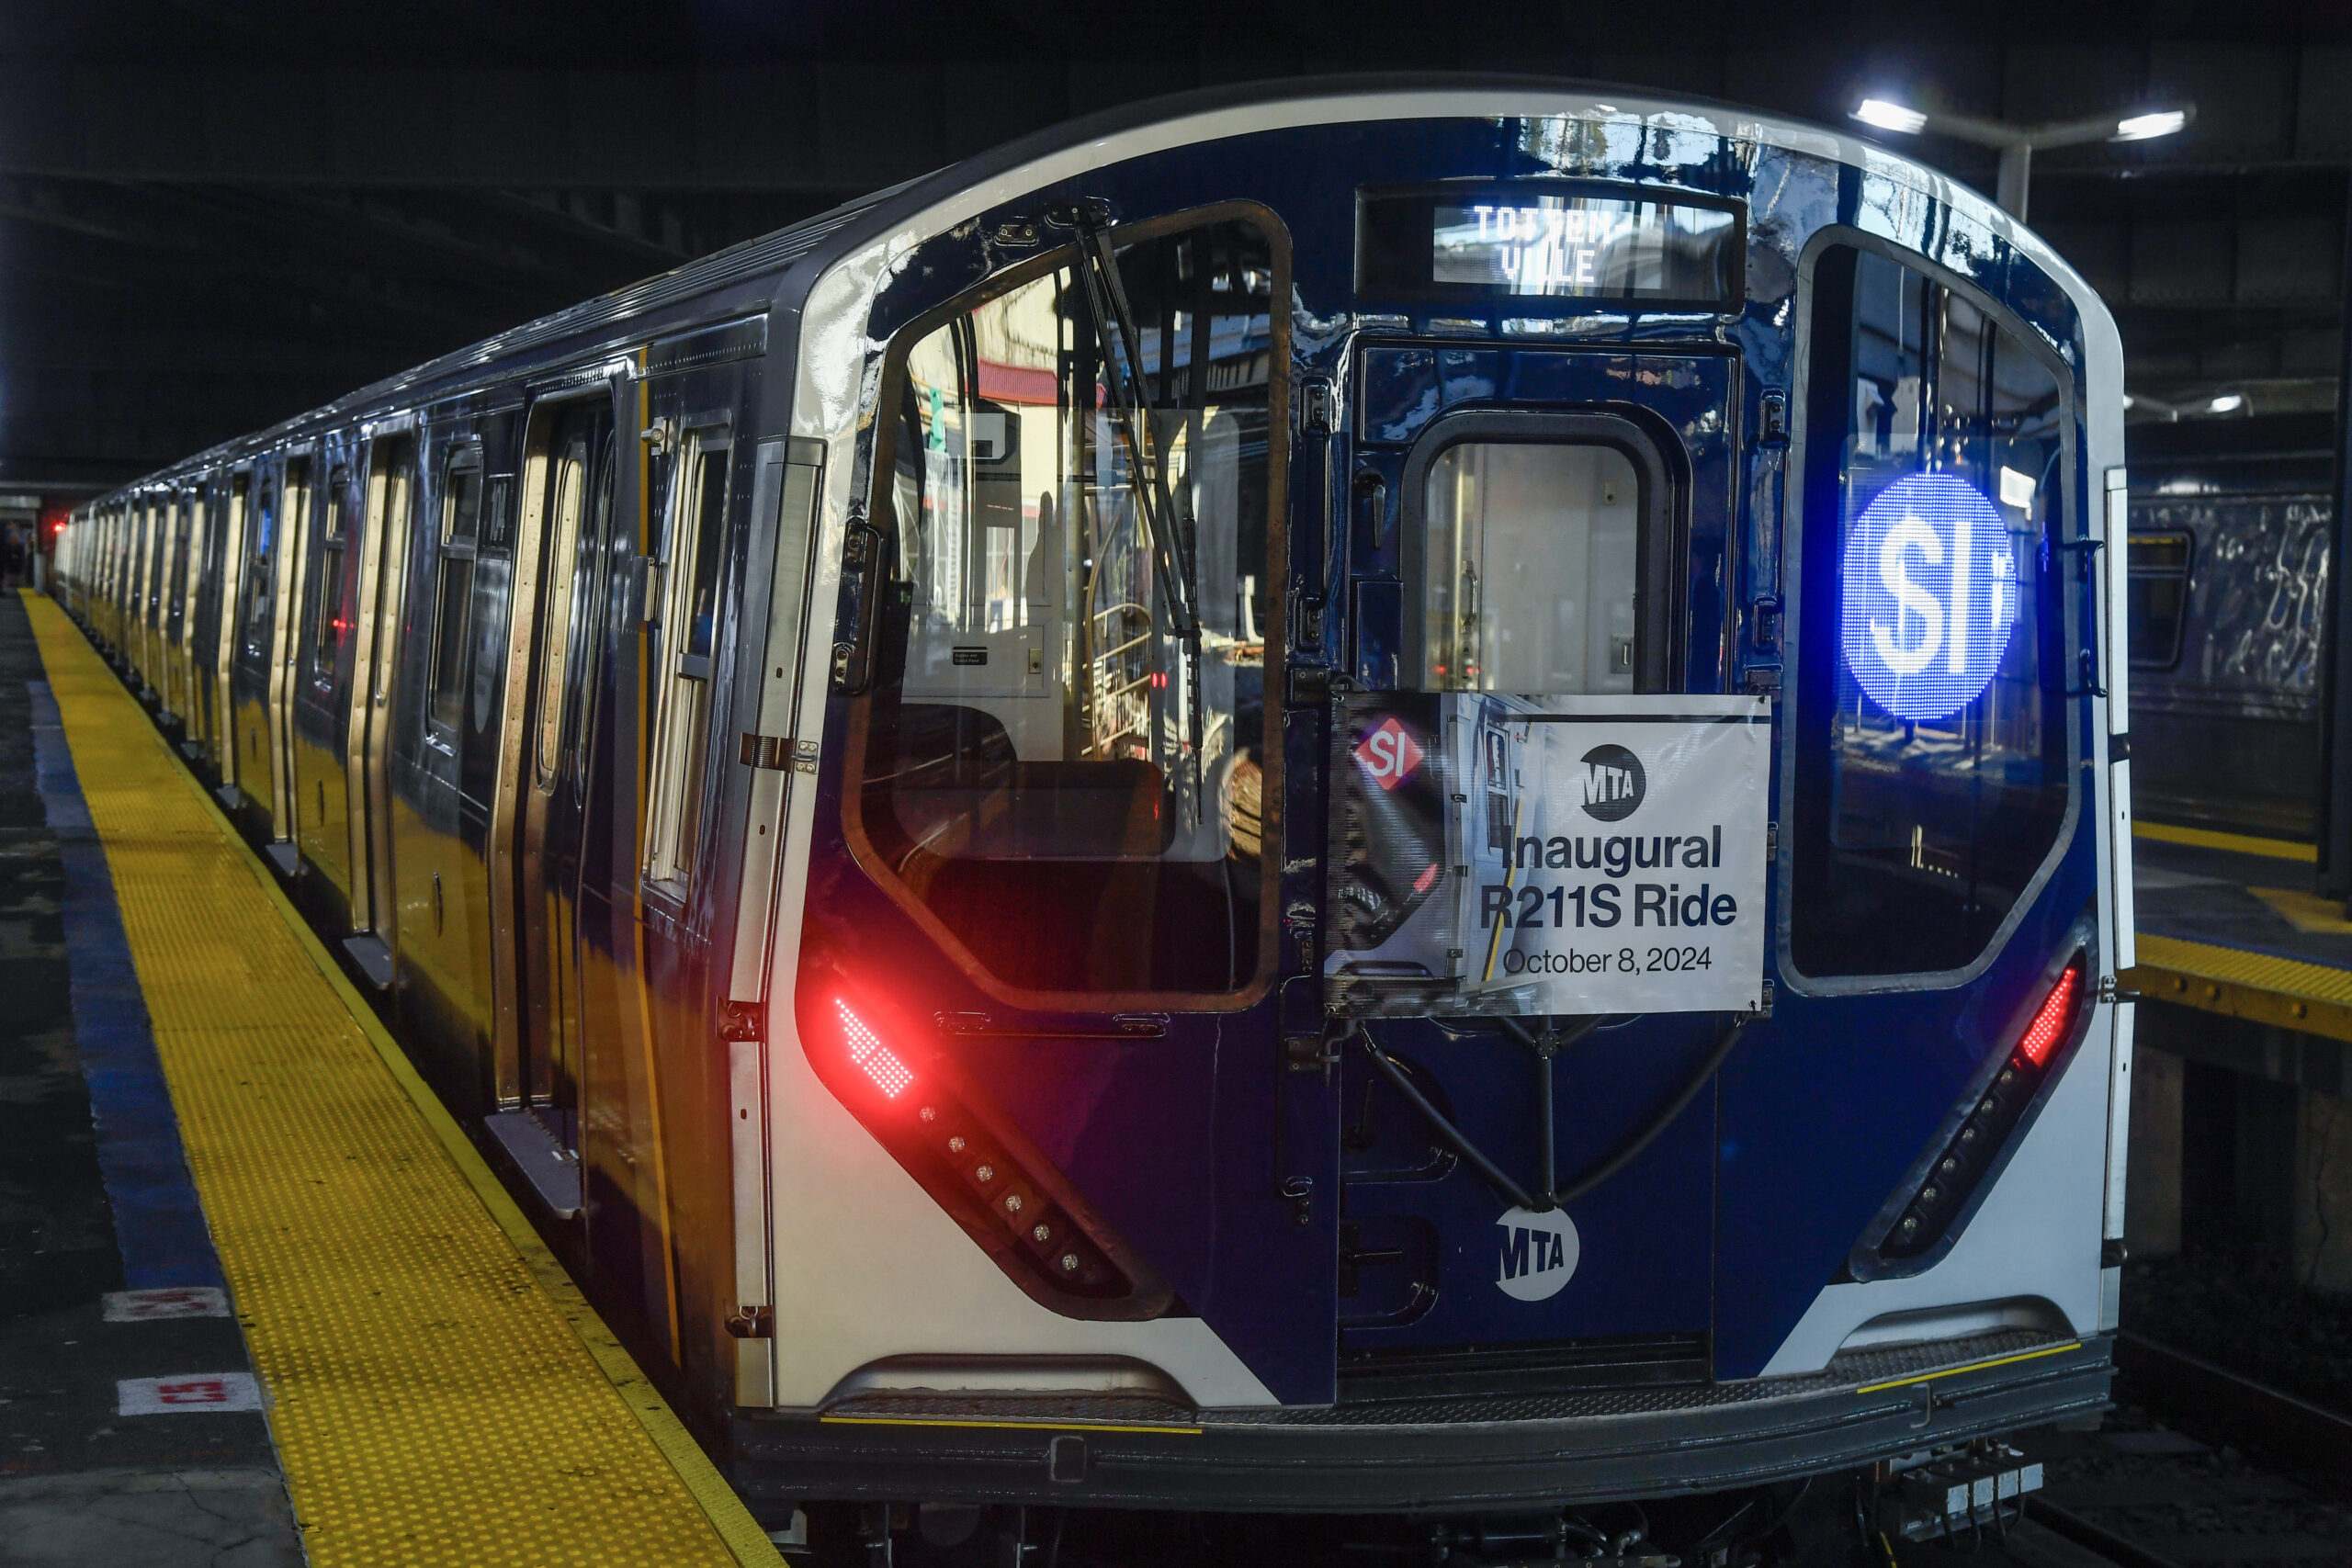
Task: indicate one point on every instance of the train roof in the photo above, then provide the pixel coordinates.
(799, 256)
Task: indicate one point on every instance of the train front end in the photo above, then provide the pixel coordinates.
(1456, 842)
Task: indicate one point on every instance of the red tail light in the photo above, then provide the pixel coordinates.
(2048, 1025)
(866, 1048)
(940, 1128)
(1990, 1118)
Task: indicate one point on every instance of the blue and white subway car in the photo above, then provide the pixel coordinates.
(1393, 796)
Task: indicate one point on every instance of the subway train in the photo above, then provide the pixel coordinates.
(1401, 798)
(2228, 565)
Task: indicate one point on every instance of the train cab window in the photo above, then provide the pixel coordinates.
(452, 589)
(1531, 552)
(2158, 583)
(1931, 777)
(683, 637)
(327, 632)
(1050, 768)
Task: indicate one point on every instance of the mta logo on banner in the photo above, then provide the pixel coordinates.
(1931, 595)
(1539, 1254)
(1389, 753)
(1613, 782)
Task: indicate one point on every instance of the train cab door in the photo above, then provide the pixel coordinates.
(383, 581)
(1559, 538)
(560, 553)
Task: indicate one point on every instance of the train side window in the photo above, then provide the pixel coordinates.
(1071, 792)
(1931, 777)
(452, 589)
(2158, 583)
(327, 631)
(683, 637)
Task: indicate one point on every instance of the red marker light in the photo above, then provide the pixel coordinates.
(866, 1048)
(2048, 1025)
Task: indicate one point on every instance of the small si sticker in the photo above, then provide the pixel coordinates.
(1539, 1254)
(970, 656)
(1389, 754)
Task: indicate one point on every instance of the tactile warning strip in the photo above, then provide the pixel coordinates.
(442, 1395)
(2257, 986)
(2237, 844)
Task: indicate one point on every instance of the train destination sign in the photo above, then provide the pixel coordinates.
(1571, 244)
(1532, 241)
(1506, 854)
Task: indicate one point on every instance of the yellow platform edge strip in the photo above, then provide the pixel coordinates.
(744, 1537)
(1974, 1367)
(729, 1518)
(2242, 844)
(2310, 998)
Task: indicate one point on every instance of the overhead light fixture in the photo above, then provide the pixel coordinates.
(2147, 127)
(2228, 402)
(2128, 400)
(1888, 116)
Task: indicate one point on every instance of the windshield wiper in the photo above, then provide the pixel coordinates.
(1178, 573)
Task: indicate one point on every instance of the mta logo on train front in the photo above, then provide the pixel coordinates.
(1931, 595)
(1389, 754)
(1613, 782)
(1539, 1254)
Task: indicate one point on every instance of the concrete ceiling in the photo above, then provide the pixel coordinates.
(214, 214)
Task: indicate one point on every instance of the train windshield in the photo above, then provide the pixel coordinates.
(1066, 768)
(1932, 778)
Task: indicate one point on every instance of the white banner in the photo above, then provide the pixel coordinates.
(1614, 849)
(1508, 854)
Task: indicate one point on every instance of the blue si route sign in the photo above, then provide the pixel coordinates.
(1931, 595)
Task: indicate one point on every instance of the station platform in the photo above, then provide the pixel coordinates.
(2234, 924)
(298, 1267)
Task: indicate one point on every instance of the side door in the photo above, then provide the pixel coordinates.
(255, 499)
(172, 614)
(317, 665)
(383, 582)
(546, 785)
(676, 727)
(285, 633)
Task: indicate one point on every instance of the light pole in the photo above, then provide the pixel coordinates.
(2015, 143)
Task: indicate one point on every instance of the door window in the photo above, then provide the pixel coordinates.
(453, 591)
(1062, 765)
(258, 598)
(578, 479)
(1931, 774)
(332, 623)
(1531, 578)
(683, 637)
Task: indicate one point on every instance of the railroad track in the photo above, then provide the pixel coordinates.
(2258, 1477)
(2292, 1434)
